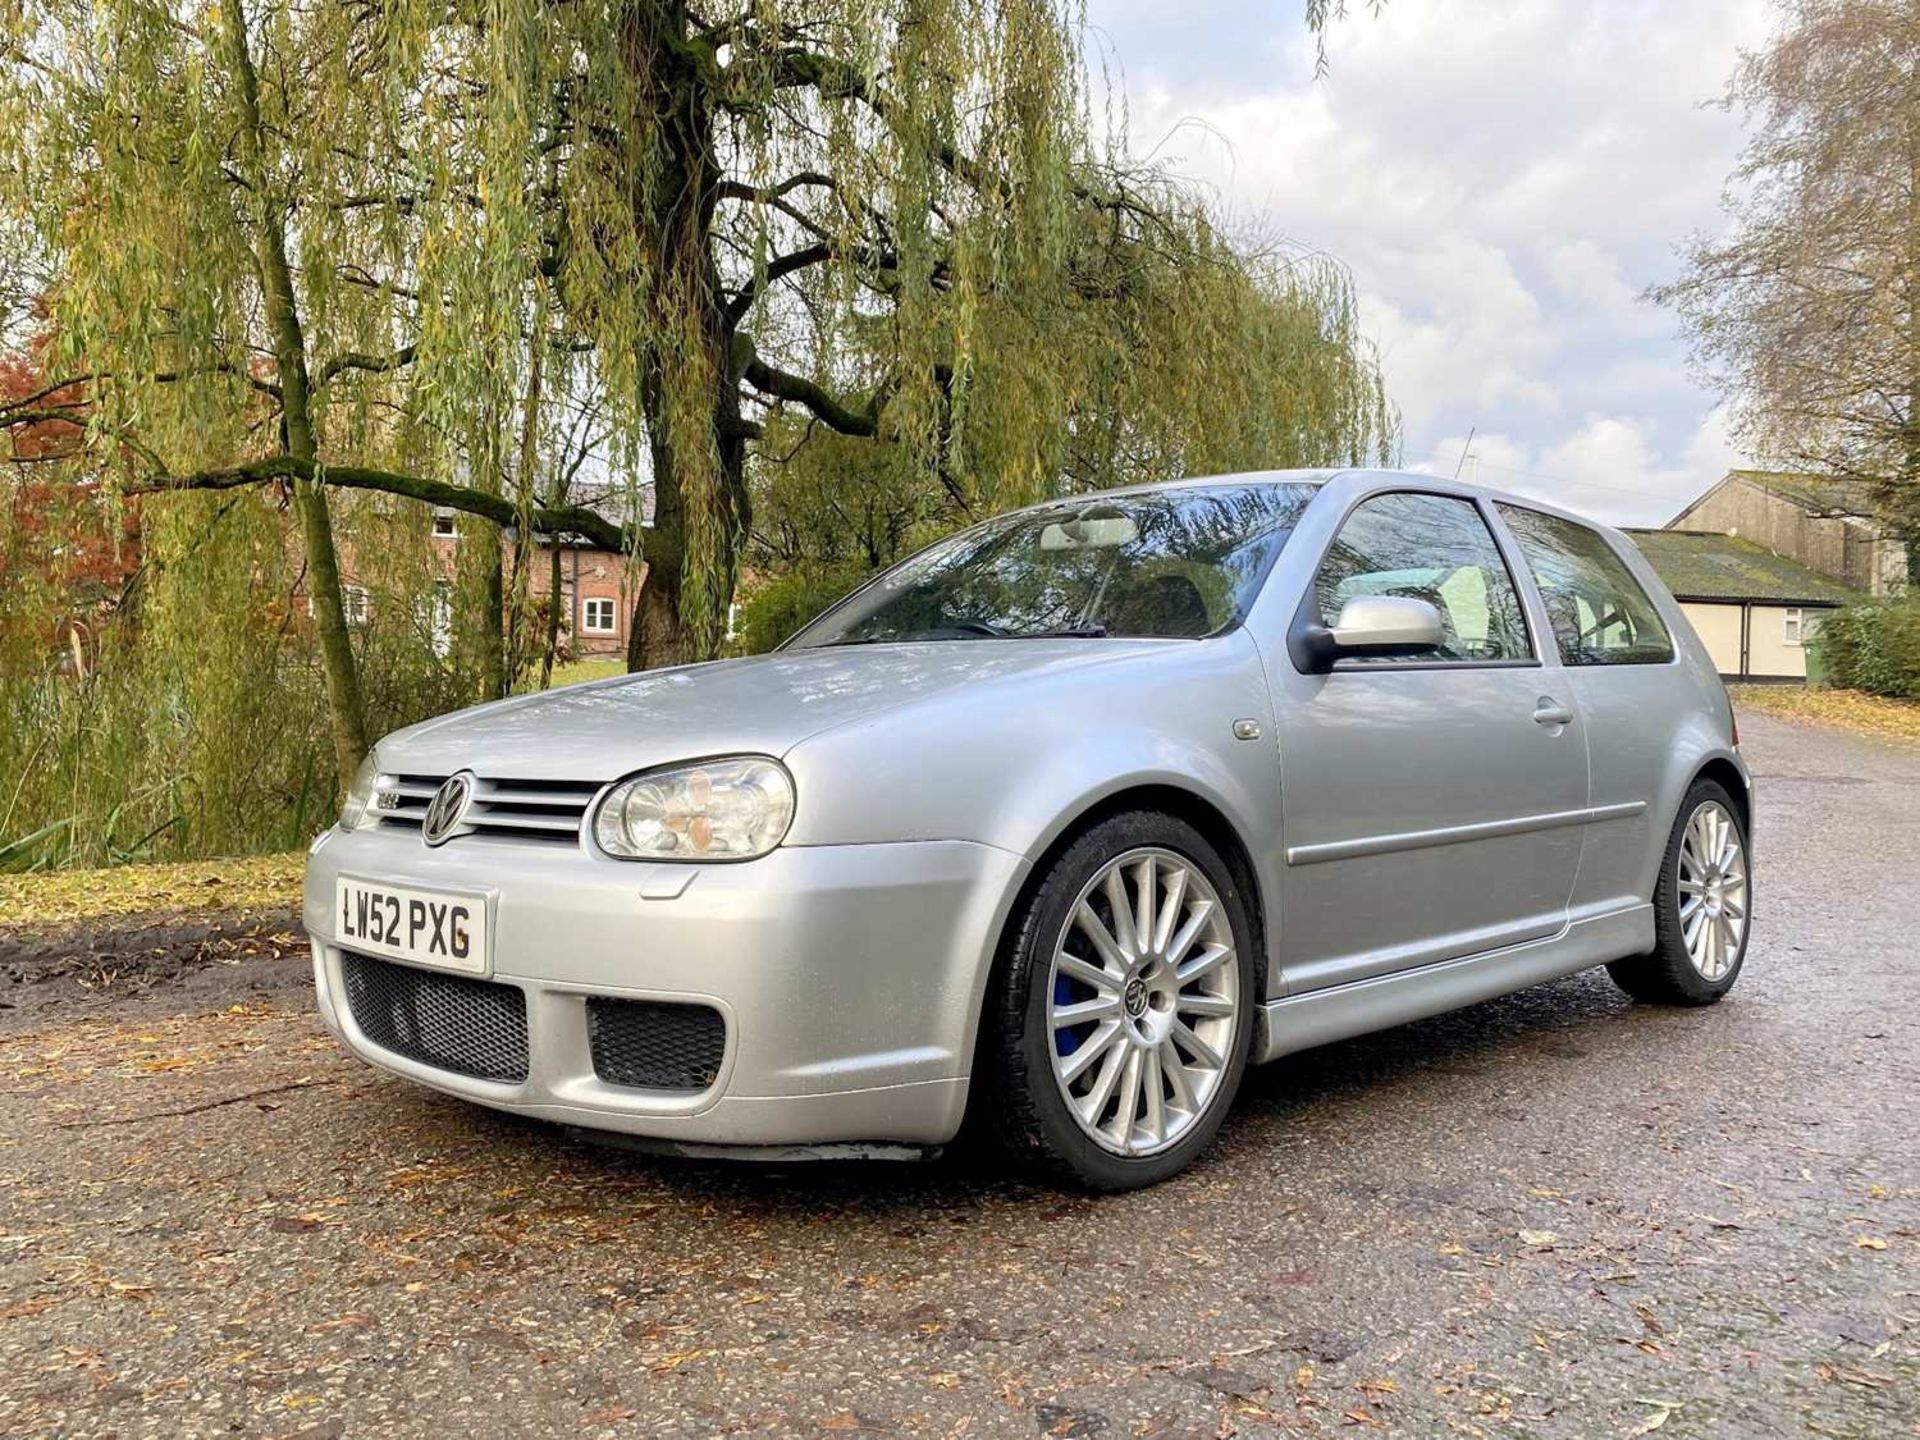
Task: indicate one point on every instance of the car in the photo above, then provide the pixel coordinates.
(1053, 829)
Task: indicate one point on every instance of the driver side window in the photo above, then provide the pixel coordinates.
(1433, 548)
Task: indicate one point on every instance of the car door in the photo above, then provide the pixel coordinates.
(1433, 803)
(1626, 677)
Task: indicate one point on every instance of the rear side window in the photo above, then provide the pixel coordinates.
(1433, 548)
(1599, 613)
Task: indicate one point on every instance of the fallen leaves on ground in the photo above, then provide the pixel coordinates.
(1663, 1412)
(1846, 709)
(257, 882)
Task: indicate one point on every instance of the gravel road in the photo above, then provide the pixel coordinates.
(1554, 1215)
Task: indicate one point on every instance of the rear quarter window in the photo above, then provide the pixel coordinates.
(1600, 614)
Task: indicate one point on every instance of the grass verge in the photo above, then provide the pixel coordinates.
(257, 882)
(1844, 709)
(581, 670)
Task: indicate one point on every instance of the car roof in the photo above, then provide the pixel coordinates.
(1358, 478)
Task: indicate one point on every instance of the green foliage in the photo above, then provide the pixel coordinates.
(1199, 358)
(199, 725)
(1875, 648)
(779, 606)
(832, 276)
(899, 218)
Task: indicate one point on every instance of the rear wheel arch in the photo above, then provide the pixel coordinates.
(1726, 774)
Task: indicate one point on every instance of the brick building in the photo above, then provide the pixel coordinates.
(598, 587)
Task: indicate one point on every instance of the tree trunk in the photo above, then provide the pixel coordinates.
(674, 213)
(525, 475)
(483, 594)
(1905, 507)
(553, 614)
(345, 707)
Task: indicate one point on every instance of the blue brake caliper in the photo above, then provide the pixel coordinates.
(1065, 1041)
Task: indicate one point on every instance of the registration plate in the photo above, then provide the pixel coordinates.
(422, 927)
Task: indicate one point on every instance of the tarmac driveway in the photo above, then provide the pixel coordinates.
(1556, 1214)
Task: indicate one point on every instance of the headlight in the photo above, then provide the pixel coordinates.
(717, 810)
(354, 810)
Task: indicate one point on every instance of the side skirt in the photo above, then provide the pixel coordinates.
(1319, 1017)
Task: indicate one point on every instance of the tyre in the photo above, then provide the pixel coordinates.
(1702, 906)
(1121, 1009)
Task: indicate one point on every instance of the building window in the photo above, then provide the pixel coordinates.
(596, 617)
(1798, 626)
(354, 603)
(443, 528)
(440, 618)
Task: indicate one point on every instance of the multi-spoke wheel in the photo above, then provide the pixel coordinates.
(1713, 889)
(1701, 906)
(1144, 1000)
(1121, 1016)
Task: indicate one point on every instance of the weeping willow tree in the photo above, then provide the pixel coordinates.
(365, 245)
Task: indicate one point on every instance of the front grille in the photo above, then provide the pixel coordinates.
(652, 1046)
(471, 1027)
(539, 810)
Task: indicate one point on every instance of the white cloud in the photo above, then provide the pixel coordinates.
(1607, 466)
(1504, 178)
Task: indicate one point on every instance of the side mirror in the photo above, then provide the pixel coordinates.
(1378, 625)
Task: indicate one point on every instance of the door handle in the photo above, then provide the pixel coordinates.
(1549, 711)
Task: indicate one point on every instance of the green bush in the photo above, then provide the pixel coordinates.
(1875, 648)
(779, 605)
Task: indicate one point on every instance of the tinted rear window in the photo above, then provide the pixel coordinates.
(1599, 612)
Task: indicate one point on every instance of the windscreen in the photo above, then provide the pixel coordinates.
(1172, 564)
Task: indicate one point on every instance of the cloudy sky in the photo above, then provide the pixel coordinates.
(1503, 178)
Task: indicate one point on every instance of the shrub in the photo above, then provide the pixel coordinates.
(780, 604)
(1875, 648)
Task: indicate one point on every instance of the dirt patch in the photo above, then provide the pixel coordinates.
(68, 968)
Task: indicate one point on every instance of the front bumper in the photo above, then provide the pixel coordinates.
(849, 978)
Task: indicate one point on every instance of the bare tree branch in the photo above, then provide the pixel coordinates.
(576, 520)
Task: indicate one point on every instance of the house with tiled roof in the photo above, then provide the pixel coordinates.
(1754, 609)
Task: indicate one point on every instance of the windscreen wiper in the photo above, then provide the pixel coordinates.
(1063, 632)
(956, 630)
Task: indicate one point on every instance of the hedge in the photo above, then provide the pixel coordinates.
(1875, 648)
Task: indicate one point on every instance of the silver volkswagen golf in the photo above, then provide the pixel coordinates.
(1061, 822)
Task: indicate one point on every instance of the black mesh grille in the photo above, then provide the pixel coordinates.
(653, 1046)
(471, 1027)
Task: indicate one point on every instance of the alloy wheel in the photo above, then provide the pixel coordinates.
(1713, 890)
(1143, 1002)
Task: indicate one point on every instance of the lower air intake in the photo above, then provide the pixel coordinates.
(471, 1027)
(652, 1046)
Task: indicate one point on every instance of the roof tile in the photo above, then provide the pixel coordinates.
(1703, 565)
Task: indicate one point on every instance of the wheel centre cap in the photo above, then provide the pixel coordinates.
(1135, 997)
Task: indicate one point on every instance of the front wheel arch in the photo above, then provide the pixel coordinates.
(1012, 1103)
(1197, 811)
